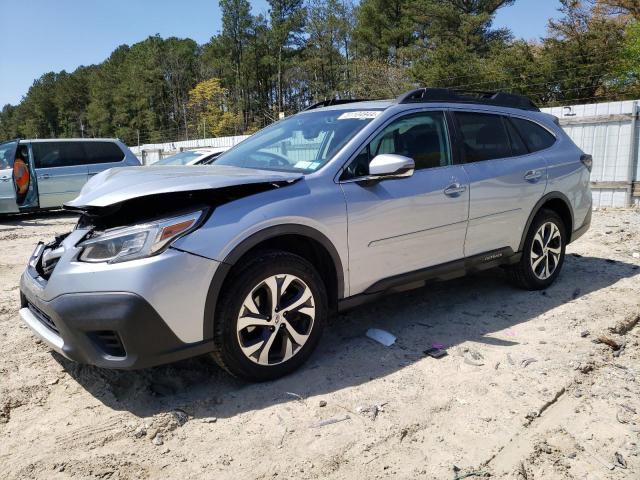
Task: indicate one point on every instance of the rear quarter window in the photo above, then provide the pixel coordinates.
(535, 137)
(103, 152)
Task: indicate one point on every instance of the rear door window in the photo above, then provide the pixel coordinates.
(102, 152)
(536, 137)
(58, 154)
(484, 136)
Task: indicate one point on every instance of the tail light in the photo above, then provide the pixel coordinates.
(587, 161)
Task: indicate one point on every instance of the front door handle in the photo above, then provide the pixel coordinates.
(455, 189)
(533, 176)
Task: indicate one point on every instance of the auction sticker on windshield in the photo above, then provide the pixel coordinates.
(361, 115)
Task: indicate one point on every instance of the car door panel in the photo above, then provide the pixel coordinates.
(501, 200)
(58, 185)
(398, 226)
(505, 180)
(61, 171)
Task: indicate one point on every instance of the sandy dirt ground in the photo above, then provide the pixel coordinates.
(526, 391)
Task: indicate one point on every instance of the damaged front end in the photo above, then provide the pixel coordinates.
(125, 196)
(160, 205)
(113, 292)
(127, 214)
(135, 212)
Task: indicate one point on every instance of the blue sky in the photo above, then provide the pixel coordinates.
(39, 36)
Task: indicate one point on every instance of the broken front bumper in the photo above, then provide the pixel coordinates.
(129, 315)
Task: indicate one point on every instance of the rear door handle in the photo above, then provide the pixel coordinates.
(5, 179)
(455, 189)
(533, 175)
(44, 176)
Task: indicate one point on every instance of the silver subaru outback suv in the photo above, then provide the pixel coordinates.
(337, 205)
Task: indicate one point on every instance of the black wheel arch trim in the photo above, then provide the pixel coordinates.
(538, 207)
(250, 242)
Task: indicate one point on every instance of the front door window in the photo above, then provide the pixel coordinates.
(420, 136)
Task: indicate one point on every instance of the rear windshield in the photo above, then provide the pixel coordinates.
(302, 143)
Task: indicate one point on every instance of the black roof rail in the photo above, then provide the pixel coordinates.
(334, 101)
(452, 95)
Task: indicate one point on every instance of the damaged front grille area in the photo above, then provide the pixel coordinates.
(50, 257)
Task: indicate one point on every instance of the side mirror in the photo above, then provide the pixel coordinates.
(389, 165)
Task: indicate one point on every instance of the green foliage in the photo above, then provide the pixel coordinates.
(384, 29)
(304, 51)
(628, 71)
(580, 54)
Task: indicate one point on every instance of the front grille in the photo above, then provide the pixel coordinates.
(43, 317)
(109, 342)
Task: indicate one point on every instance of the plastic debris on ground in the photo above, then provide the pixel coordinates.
(381, 336)
(330, 421)
(435, 352)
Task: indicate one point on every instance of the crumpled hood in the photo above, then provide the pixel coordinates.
(120, 184)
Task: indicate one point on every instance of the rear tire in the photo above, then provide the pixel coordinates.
(543, 253)
(270, 316)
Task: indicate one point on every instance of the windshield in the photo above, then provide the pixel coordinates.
(179, 159)
(302, 143)
(7, 151)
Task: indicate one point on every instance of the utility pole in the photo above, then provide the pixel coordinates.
(81, 128)
(138, 132)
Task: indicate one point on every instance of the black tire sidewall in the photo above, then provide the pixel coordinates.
(236, 290)
(541, 218)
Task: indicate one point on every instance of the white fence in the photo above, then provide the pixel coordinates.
(609, 131)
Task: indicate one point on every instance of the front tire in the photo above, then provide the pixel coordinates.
(270, 316)
(543, 253)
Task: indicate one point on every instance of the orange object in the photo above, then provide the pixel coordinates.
(21, 176)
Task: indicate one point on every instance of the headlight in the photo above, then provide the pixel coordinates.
(138, 241)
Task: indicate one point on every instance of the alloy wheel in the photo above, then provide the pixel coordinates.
(546, 250)
(276, 319)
